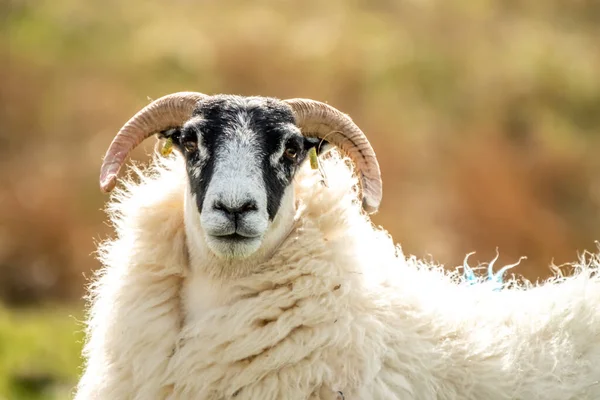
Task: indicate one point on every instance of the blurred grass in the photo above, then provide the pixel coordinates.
(39, 353)
(485, 115)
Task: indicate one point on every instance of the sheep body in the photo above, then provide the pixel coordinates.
(338, 308)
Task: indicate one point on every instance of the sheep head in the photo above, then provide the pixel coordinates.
(241, 156)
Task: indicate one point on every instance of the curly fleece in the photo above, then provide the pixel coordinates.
(338, 311)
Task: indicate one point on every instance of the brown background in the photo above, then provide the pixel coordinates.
(485, 115)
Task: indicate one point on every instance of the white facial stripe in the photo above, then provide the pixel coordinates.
(276, 156)
(196, 170)
(274, 159)
(242, 131)
(243, 121)
(202, 150)
(238, 173)
(237, 179)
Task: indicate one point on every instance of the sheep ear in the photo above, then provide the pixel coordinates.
(174, 134)
(322, 146)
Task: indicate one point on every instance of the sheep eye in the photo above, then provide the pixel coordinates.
(291, 153)
(190, 146)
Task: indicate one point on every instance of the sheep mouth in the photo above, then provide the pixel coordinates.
(233, 246)
(234, 238)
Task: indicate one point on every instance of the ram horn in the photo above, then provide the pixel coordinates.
(162, 114)
(316, 119)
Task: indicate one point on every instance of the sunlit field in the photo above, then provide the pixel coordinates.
(39, 353)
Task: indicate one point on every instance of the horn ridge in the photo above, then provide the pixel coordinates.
(164, 113)
(317, 119)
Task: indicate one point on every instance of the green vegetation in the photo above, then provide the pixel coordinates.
(39, 354)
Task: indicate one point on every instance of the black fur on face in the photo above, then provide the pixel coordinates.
(262, 126)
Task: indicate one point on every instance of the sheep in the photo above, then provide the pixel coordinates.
(303, 297)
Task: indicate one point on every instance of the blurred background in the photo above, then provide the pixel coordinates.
(484, 114)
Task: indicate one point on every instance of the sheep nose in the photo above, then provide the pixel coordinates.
(234, 212)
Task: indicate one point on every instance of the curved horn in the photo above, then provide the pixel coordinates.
(316, 119)
(164, 113)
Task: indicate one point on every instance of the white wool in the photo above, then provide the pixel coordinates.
(338, 308)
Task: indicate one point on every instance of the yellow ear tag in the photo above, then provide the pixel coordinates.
(167, 148)
(314, 160)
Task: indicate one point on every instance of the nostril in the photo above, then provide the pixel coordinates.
(249, 206)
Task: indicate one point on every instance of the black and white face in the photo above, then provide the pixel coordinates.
(241, 156)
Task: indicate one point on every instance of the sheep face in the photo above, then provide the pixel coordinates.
(241, 155)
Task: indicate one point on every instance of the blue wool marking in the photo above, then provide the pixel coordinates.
(496, 278)
(469, 275)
